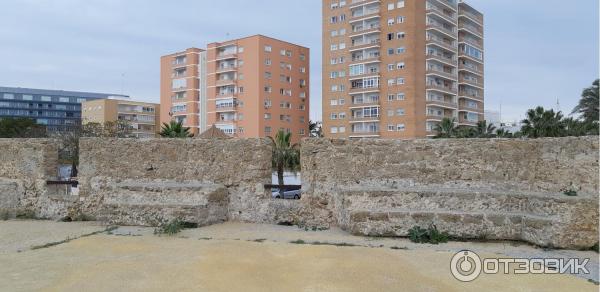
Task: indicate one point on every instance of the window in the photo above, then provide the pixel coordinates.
(179, 83)
(334, 33)
(342, 129)
(390, 52)
(267, 116)
(267, 129)
(400, 19)
(334, 102)
(333, 19)
(400, 112)
(390, 36)
(401, 127)
(342, 116)
(342, 46)
(301, 132)
(27, 97)
(391, 6)
(401, 35)
(268, 75)
(9, 96)
(333, 116)
(400, 96)
(240, 49)
(400, 81)
(334, 47)
(342, 101)
(268, 62)
(391, 97)
(400, 4)
(391, 21)
(334, 130)
(63, 99)
(391, 128)
(400, 65)
(342, 31)
(45, 98)
(390, 113)
(268, 89)
(268, 49)
(390, 67)
(391, 82)
(401, 50)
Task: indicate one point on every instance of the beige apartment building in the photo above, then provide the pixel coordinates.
(142, 116)
(395, 69)
(248, 87)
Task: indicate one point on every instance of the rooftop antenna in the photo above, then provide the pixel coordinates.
(557, 105)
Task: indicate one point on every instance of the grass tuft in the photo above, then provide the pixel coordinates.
(430, 235)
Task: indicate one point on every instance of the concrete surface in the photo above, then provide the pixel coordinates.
(247, 257)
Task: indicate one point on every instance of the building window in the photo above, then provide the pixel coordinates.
(334, 102)
(46, 98)
(268, 49)
(267, 130)
(390, 21)
(401, 50)
(400, 4)
(9, 96)
(400, 127)
(400, 112)
(333, 116)
(334, 130)
(27, 97)
(400, 19)
(391, 6)
(400, 65)
(400, 96)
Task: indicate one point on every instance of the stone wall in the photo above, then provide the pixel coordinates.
(25, 165)
(476, 188)
(148, 181)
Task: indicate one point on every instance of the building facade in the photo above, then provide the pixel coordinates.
(143, 117)
(58, 110)
(395, 69)
(183, 89)
(248, 87)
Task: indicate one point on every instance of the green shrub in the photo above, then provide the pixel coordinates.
(174, 226)
(570, 193)
(430, 235)
(26, 214)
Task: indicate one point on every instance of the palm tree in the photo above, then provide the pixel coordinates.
(543, 123)
(315, 129)
(484, 130)
(589, 103)
(285, 156)
(175, 130)
(446, 128)
(574, 127)
(503, 133)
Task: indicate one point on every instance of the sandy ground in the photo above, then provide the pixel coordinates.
(248, 257)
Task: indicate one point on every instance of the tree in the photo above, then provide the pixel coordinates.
(21, 128)
(589, 104)
(315, 129)
(285, 156)
(503, 133)
(543, 123)
(485, 130)
(578, 128)
(446, 128)
(175, 130)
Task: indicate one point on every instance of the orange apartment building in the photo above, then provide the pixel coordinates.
(248, 87)
(143, 117)
(395, 69)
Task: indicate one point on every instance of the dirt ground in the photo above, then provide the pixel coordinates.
(248, 257)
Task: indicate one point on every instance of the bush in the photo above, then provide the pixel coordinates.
(26, 214)
(430, 235)
(175, 226)
(570, 193)
(4, 215)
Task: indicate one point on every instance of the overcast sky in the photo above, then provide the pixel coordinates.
(536, 51)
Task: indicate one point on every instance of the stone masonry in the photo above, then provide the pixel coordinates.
(475, 188)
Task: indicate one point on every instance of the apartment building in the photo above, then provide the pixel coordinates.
(248, 87)
(143, 117)
(58, 110)
(395, 69)
(183, 89)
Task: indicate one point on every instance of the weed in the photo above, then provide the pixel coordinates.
(570, 193)
(298, 241)
(430, 235)
(26, 214)
(205, 238)
(595, 247)
(174, 226)
(260, 240)
(397, 247)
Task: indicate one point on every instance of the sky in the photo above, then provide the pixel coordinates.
(537, 52)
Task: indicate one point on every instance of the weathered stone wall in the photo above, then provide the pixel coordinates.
(25, 165)
(476, 188)
(148, 181)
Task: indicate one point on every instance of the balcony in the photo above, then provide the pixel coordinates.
(226, 108)
(364, 12)
(441, 88)
(225, 82)
(452, 46)
(470, 95)
(226, 55)
(357, 119)
(473, 83)
(471, 29)
(359, 3)
(464, 122)
(432, 9)
(450, 32)
(442, 103)
(364, 29)
(179, 62)
(443, 74)
(472, 16)
(472, 69)
(365, 43)
(223, 69)
(450, 61)
(447, 4)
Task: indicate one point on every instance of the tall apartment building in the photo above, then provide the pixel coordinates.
(57, 109)
(253, 87)
(183, 89)
(395, 69)
(143, 117)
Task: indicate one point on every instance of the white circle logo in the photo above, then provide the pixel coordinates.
(465, 266)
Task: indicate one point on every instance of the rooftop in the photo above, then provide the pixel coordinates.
(20, 90)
